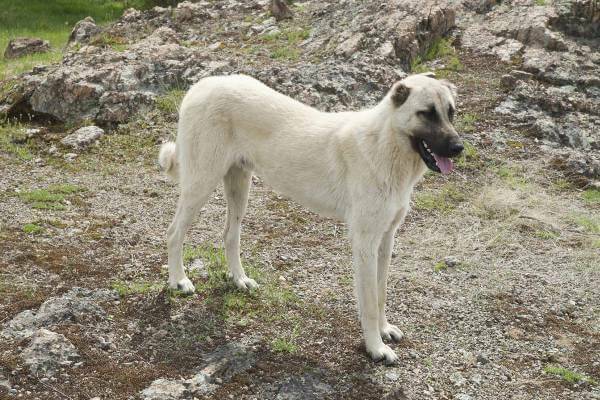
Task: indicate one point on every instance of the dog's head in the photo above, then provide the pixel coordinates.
(424, 110)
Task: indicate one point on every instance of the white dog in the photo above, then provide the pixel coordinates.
(359, 167)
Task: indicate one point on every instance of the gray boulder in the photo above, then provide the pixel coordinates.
(83, 31)
(77, 305)
(20, 47)
(48, 352)
(83, 137)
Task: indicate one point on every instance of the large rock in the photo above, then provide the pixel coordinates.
(219, 367)
(83, 137)
(77, 305)
(48, 352)
(83, 31)
(20, 47)
(161, 49)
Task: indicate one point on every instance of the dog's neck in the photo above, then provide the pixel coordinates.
(391, 153)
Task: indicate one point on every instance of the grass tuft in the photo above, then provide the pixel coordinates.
(32, 229)
(169, 102)
(591, 196)
(568, 375)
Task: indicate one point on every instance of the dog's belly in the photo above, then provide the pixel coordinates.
(314, 195)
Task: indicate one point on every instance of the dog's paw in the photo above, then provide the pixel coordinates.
(245, 283)
(185, 286)
(384, 353)
(391, 333)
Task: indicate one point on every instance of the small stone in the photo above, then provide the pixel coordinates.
(70, 156)
(392, 376)
(457, 379)
(481, 359)
(215, 46)
(451, 261)
(463, 396)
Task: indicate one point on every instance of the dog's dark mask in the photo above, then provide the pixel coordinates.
(434, 137)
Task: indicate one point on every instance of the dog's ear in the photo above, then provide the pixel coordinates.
(400, 94)
(429, 74)
(450, 86)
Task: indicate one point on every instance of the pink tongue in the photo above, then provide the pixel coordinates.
(445, 164)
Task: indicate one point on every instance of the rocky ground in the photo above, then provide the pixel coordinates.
(495, 274)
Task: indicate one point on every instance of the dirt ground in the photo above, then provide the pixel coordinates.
(522, 298)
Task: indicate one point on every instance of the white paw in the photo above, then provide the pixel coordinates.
(383, 353)
(245, 283)
(391, 333)
(185, 286)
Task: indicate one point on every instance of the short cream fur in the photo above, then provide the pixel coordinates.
(359, 167)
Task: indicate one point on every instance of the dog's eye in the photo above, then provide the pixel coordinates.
(429, 114)
(451, 113)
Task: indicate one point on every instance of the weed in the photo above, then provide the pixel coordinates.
(51, 198)
(546, 235)
(512, 176)
(286, 53)
(440, 49)
(568, 375)
(540, 2)
(169, 102)
(444, 201)
(466, 123)
(32, 229)
(591, 196)
(469, 155)
(440, 266)
(588, 223)
(10, 135)
(281, 345)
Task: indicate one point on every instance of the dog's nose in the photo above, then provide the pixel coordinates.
(456, 148)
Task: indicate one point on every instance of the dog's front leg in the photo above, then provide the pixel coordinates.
(387, 330)
(365, 247)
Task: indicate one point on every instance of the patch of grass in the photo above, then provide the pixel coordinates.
(590, 224)
(469, 155)
(568, 375)
(440, 48)
(13, 142)
(32, 229)
(128, 288)
(285, 52)
(440, 266)
(51, 198)
(169, 102)
(281, 345)
(562, 184)
(511, 175)
(466, 122)
(444, 200)
(540, 2)
(591, 196)
(53, 21)
(545, 235)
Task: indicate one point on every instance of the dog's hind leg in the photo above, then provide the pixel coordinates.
(387, 330)
(237, 184)
(193, 196)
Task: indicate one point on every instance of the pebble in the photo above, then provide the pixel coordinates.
(392, 376)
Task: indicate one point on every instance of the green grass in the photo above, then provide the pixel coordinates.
(589, 224)
(12, 141)
(444, 200)
(51, 198)
(540, 2)
(545, 235)
(591, 196)
(568, 375)
(440, 48)
(511, 175)
(281, 345)
(469, 156)
(466, 123)
(440, 266)
(53, 21)
(170, 101)
(32, 229)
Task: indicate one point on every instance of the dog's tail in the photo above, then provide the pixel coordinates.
(167, 159)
